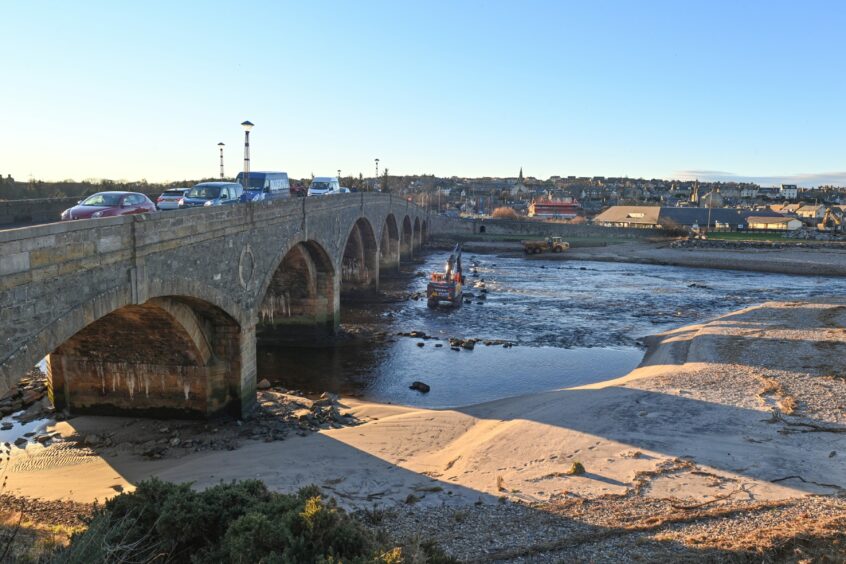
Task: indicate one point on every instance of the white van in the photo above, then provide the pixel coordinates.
(323, 185)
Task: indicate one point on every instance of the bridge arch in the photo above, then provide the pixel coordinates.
(389, 246)
(407, 239)
(300, 297)
(425, 231)
(360, 260)
(170, 356)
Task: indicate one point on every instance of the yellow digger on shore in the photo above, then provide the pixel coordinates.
(550, 244)
(832, 221)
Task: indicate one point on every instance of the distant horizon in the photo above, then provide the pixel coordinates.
(719, 90)
(835, 179)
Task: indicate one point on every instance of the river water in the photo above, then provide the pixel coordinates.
(573, 322)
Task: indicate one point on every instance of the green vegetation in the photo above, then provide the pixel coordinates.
(576, 469)
(238, 522)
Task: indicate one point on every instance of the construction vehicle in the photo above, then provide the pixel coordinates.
(553, 244)
(832, 221)
(446, 286)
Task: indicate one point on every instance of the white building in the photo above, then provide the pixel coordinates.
(772, 223)
(789, 191)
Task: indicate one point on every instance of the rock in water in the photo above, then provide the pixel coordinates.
(420, 387)
(263, 384)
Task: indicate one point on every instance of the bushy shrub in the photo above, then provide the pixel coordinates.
(239, 522)
(505, 213)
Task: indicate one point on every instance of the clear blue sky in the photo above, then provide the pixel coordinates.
(471, 88)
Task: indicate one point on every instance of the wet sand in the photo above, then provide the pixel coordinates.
(750, 403)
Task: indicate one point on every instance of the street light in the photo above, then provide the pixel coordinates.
(376, 184)
(247, 127)
(221, 145)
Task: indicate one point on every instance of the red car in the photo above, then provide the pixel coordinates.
(109, 204)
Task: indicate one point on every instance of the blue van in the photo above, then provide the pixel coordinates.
(264, 186)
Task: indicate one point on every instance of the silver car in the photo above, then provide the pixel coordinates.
(169, 200)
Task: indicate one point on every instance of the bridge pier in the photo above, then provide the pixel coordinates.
(406, 241)
(389, 247)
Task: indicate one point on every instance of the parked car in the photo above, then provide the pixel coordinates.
(323, 185)
(297, 189)
(264, 186)
(109, 204)
(169, 199)
(211, 194)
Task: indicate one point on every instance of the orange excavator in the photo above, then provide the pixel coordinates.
(446, 286)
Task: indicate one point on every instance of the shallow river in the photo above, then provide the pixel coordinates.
(574, 322)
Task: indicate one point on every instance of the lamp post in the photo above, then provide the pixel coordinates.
(221, 145)
(247, 127)
(376, 184)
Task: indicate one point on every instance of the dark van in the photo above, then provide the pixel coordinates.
(264, 186)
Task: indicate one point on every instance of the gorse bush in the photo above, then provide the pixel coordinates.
(505, 213)
(240, 523)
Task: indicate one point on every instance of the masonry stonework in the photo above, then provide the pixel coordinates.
(159, 313)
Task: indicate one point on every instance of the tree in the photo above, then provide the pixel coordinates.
(385, 187)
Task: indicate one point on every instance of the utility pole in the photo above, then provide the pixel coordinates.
(247, 127)
(221, 145)
(710, 203)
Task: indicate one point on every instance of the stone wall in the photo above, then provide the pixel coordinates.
(198, 278)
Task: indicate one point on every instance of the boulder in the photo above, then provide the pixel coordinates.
(263, 384)
(91, 440)
(30, 396)
(420, 387)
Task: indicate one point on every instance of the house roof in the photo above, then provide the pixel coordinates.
(641, 215)
(700, 216)
(655, 215)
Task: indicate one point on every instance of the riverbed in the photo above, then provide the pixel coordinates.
(572, 323)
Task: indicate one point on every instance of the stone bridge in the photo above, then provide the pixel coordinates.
(159, 314)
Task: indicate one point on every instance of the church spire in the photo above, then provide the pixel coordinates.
(520, 178)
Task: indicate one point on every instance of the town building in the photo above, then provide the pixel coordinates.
(789, 191)
(656, 217)
(810, 212)
(755, 223)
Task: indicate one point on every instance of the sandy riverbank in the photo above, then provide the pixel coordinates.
(697, 397)
(788, 260)
(749, 408)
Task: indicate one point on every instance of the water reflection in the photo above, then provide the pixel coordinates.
(575, 322)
